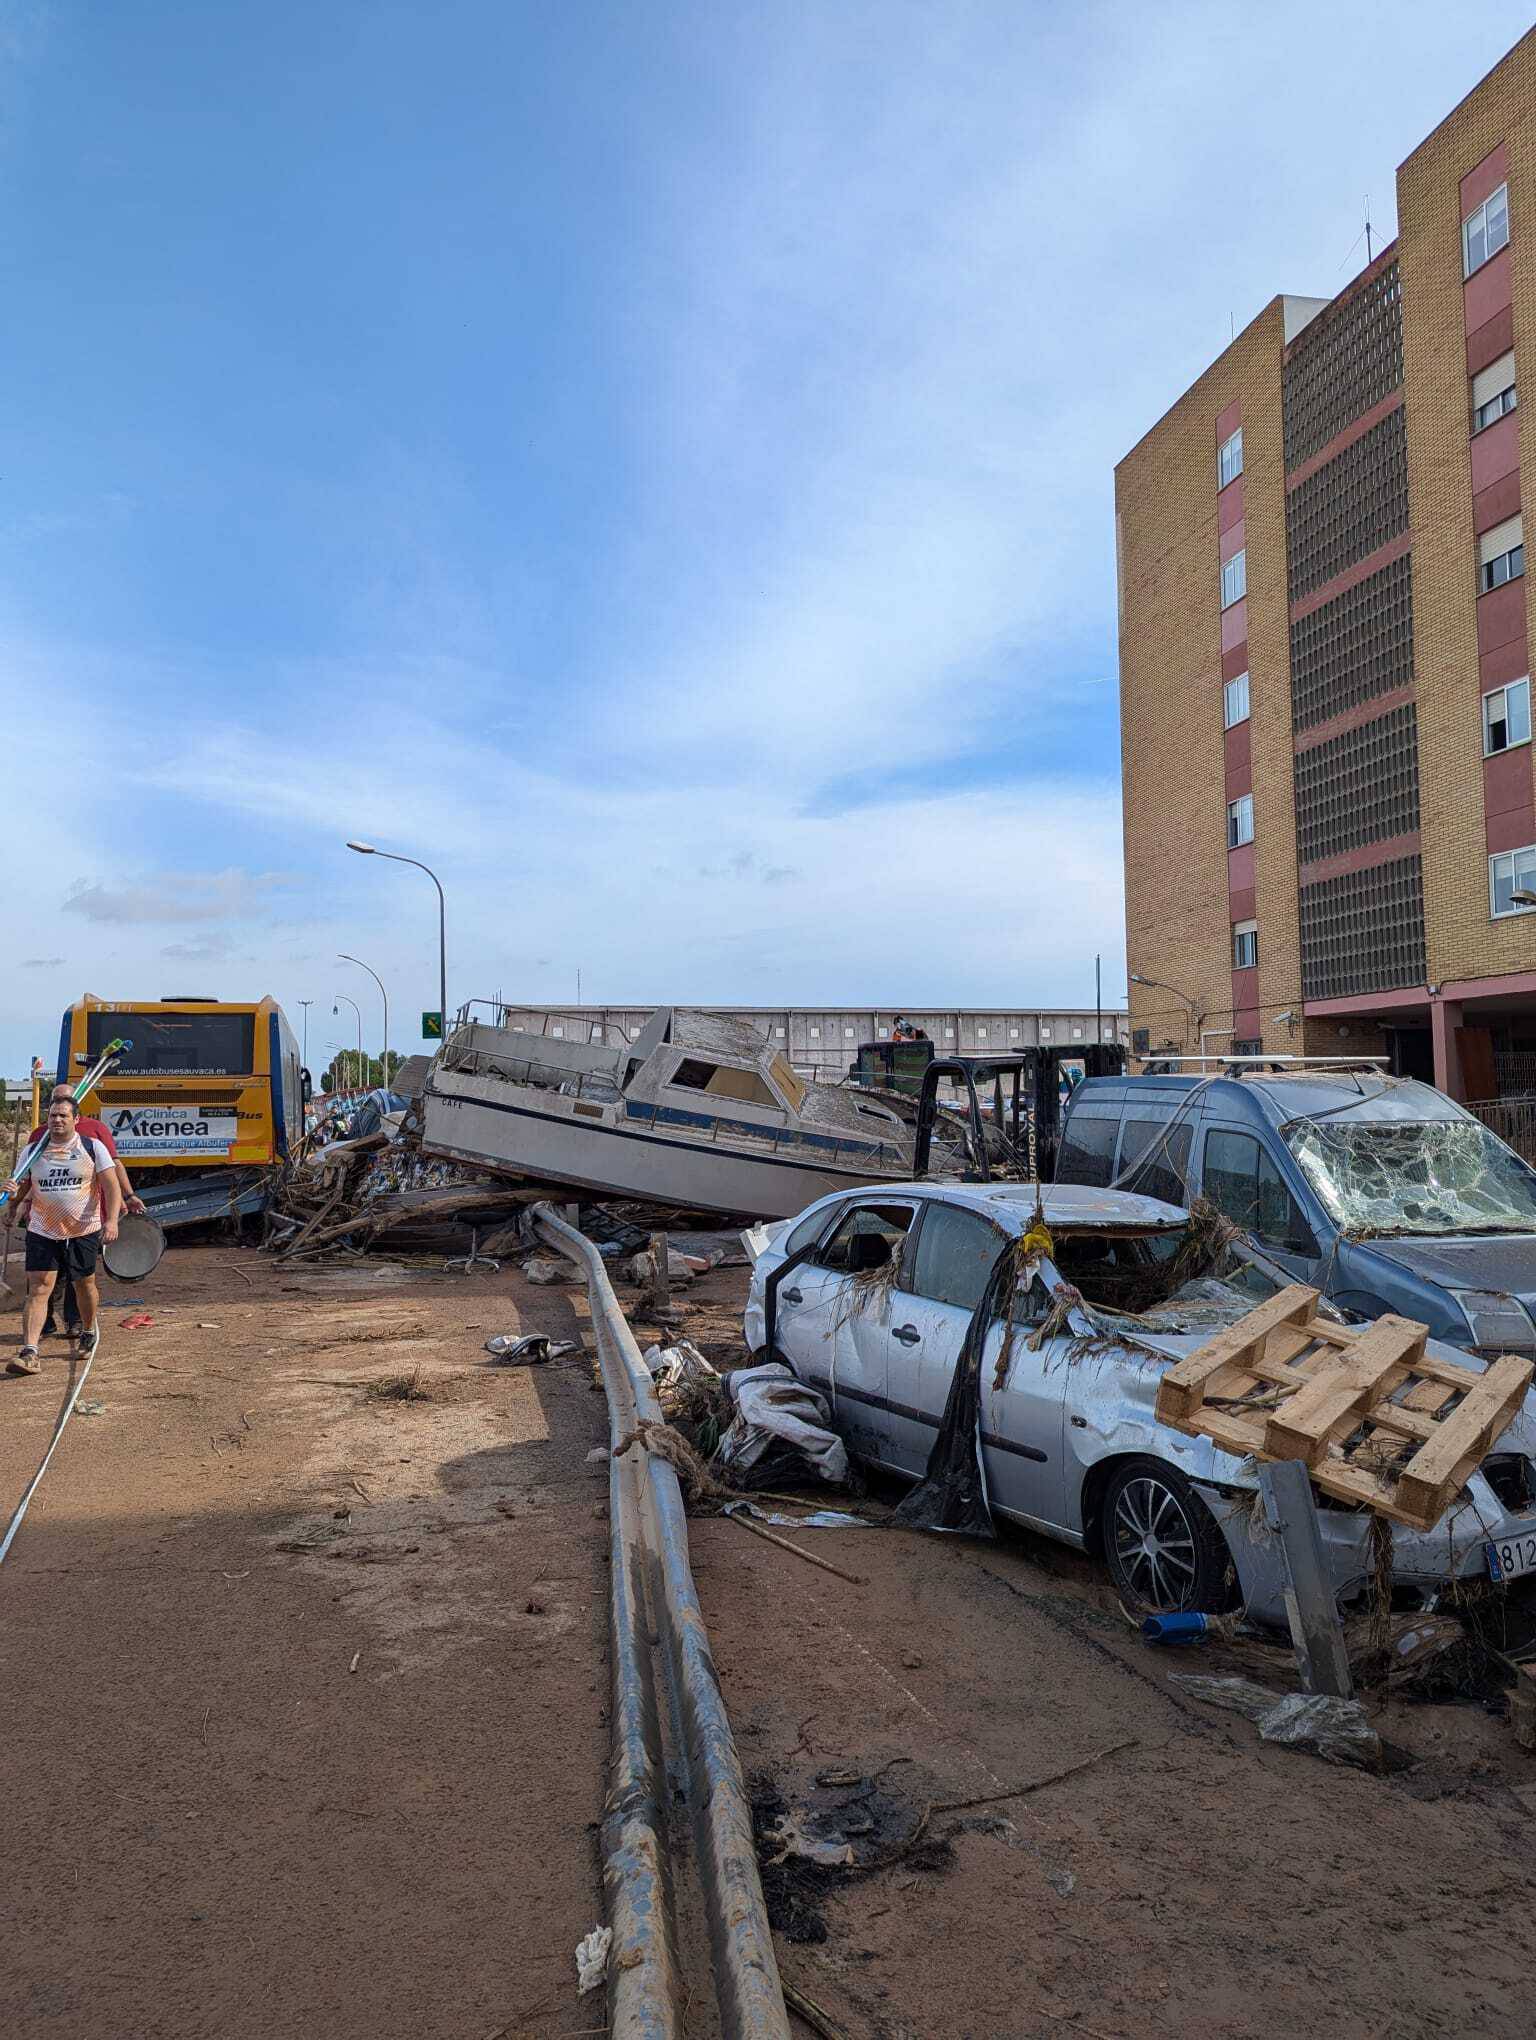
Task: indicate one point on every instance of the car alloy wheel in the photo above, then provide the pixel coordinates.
(1153, 1542)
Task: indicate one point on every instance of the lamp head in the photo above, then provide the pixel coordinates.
(362, 849)
(1138, 979)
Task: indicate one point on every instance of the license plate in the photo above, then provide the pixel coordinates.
(1510, 1557)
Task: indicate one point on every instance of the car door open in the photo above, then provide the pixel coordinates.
(838, 1314)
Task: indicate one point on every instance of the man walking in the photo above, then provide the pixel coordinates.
(65, 1229)
(88, 1129)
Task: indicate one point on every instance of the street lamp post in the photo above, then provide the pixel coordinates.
(306, 1004)
(357, 1009)
(372, 850)
(384, 1060)
(1156, 984)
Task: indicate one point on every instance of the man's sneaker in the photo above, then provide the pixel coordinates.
(88, 1343)
(25, 1362)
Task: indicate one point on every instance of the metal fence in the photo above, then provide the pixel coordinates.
(669, 1727)
(1513, 1120)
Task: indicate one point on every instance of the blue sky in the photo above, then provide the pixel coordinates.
(652, 461)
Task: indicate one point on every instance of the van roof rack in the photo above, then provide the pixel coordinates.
(1267, 1062)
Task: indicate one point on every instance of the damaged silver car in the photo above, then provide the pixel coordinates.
(870, 1298)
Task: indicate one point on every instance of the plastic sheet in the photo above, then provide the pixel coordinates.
(772, 1406)
(1335, 1730)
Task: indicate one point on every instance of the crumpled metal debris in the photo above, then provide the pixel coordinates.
(1335, 1730)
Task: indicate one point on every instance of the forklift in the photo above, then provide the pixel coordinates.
(1009, 1124)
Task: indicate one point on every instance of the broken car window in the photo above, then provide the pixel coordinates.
(854, 1246)
(1414, 1175)
(956, 1253)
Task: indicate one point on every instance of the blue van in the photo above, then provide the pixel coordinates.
(1380, 1191)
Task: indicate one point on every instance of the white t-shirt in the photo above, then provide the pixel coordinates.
(63, 1185)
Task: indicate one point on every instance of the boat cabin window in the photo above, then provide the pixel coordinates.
(720, 1081)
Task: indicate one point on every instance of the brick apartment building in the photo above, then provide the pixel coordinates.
(1324, 650)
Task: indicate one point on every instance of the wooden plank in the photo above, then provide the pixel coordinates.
(1377, 1362)
(1182, 1389)
(1399, 1422)
(1348, 1483)
(1439, 1467)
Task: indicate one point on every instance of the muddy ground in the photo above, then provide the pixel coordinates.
(214, 1824)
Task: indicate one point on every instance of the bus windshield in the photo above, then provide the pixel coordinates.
(176, 1044)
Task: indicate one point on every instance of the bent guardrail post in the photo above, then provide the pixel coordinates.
(648, 1534)
(1310, 1602)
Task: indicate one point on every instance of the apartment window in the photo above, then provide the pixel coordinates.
(949, 1034)
(1240, 822)
(1501, 554)
(1493, 392)
(1229, 459)
(1234, 579)
(779, 1033)
(815, 1034)
(1045, 1034)
(981, 1034)
(847, 1034)
(1077, 1034)
(1245, 945)
(1510, 872)
(1485, 232)
(1507, 717)
(1235, 696)
(1013, 1034)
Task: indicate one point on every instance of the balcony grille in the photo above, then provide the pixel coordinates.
(1347, 360)
(1355, 647)
(1350, 507)
(1359, 787)
(1363, 932)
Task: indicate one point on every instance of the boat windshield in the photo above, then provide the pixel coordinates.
(1426, 1176)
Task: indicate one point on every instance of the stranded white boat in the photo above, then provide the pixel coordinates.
(698, 1110)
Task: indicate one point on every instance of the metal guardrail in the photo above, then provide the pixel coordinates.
(652, 1597)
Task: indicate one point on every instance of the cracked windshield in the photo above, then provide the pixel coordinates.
(1415, 1176)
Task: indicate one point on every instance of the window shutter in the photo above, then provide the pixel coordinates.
(1501, 539)
(1493, 380)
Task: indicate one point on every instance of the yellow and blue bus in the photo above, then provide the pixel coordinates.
(209, 1095)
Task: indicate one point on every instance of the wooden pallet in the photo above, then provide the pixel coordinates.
(1374, 1417)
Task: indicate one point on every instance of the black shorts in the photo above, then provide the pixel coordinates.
(63, 1257)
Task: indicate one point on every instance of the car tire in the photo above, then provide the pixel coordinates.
(1164, 1551)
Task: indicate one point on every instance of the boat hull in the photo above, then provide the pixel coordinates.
(525, 1132)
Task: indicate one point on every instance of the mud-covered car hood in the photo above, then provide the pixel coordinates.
(1492, 1261)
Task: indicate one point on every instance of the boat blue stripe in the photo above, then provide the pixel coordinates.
(692, 1147)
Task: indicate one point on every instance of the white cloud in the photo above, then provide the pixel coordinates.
(177, 896)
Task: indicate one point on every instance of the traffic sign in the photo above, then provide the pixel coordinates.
(431, 1026)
